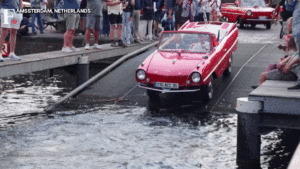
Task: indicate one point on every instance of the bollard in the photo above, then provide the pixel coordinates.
(248, 137)
(82, 70)
(49, 73)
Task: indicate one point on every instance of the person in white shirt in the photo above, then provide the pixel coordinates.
(115, 10)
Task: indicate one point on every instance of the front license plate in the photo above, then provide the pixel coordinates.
(262, 18)
(166, 85)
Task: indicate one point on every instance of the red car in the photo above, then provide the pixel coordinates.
(251, 12)
(188, 60)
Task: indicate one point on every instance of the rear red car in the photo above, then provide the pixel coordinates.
(251, 12)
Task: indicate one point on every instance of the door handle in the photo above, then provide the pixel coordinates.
(225, 50)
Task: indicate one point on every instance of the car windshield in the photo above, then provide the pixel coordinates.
(187, 42)
(253, 3)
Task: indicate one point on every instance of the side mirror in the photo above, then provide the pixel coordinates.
(236, 3)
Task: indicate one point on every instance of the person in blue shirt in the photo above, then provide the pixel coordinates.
(10, 22)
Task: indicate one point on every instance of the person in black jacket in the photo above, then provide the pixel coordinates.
(148, 14)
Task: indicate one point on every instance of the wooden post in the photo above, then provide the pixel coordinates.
(248, 140)
(82, 70)
(49, 73)
(248, 137)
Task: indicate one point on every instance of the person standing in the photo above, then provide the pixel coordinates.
(115, 10)
(215, 10)
(106, 25)
(72, 22)
(178, 20)
(82, 21)
(148, 14)
(189, 11)
(93, 22)
(137, 6)
(295, 5)
(127, 17)
(36, 4)
(12, 25)
(202, 8)
(170, 12)
(159, 4)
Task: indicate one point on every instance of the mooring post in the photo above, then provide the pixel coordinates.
(49, 73)
(82, 70)
(248, 137)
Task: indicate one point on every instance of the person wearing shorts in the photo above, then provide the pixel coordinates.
(10, 22)
(115, 10)
(93, 22)
(286, 70)
(72, 22)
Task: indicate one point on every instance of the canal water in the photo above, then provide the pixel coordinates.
(109, 135)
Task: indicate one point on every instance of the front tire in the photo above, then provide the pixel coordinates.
(209, 89)
(268, 25)
(153, 95)
(227, 72)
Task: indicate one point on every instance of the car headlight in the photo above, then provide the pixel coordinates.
(141, 74)
(249, 13)
(196, 77)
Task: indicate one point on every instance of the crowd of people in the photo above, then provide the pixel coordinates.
(108, 17)
(288, 67)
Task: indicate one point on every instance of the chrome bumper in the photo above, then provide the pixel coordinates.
(167, 90)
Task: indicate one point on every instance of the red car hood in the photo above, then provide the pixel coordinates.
(171, 64)
(260, 9)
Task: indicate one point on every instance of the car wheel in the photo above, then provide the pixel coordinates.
(268, 25)
(253, 25)
(153, 95)
(228, 69)
(209, 89)
(241, 22)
